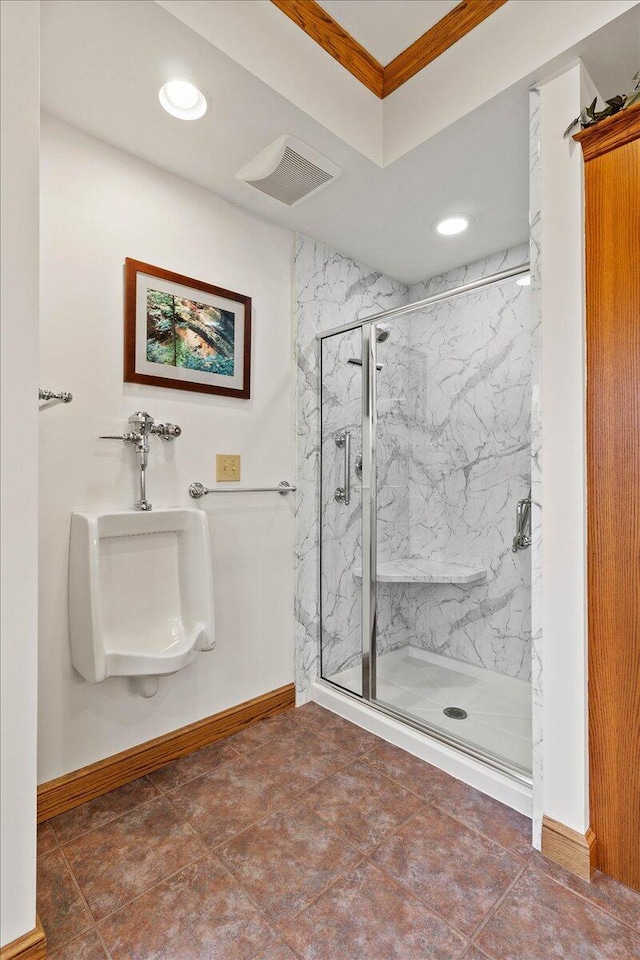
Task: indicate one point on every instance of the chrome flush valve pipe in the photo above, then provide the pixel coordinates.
(143, 425)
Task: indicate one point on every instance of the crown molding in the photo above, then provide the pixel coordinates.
(332, 37)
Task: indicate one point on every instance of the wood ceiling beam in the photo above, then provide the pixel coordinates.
(442, 35)
(327, 32)
(333, 38)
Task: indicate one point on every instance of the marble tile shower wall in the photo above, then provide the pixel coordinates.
(453, 458)
(469, 449)
(330, 290)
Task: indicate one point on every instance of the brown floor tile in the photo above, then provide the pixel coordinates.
(264, 732)
(474, 954)
(476, 810)
(409, 771)
(365, 915)
(228, 799)
(46, 839)
(118, 861)
(540, 919)
(181, 771)
(603, 891)
(458, 873)
(284, 862)
(61, 909)
(362, 804)
(97, 812)
(197, 914)
(85, 947)
(338, 731)
(312, 716)
(278, 950)
(299, 760)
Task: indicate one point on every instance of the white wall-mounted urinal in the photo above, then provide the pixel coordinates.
(140, 593)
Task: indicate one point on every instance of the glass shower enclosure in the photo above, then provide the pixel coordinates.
(425, 575)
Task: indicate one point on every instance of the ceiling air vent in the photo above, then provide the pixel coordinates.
(289, 171)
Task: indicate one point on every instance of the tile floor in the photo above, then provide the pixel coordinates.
(422, 684)
(307, 838)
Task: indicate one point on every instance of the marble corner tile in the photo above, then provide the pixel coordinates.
(540, 918)
(85, 947)
(194, 765)
(410, 772)
(506, 827)
(287, 860)
(62, 911)
(95, 813)
(197, 913)
(229, 798)
(362, 804)
(456, 872)
(365, 914)
(120, 860)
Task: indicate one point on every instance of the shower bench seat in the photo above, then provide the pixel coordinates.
(422, 570)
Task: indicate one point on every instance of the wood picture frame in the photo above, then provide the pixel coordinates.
(199, 342)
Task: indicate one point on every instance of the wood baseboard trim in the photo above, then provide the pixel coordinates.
(572, 850)
(79, 786)
(31, 946)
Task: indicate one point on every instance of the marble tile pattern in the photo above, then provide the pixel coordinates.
(453, 457)
(370, 854)
(469, 463)
(535, 296)
(330, 290)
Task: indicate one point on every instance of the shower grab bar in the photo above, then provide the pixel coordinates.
(63, 395)
(522, 539)
(343, 440)
(197, 490)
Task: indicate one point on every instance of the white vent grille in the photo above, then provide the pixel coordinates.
(289, 171)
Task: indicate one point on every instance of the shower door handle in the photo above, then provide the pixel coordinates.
(522, 539)
(343, 440)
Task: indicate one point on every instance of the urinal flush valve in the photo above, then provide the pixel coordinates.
(143, 426)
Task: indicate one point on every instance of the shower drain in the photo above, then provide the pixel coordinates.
(456, 713)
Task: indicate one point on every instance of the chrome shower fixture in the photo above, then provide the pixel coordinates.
(383, 332)
(143, 426)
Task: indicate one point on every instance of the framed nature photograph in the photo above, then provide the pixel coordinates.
(184, 333)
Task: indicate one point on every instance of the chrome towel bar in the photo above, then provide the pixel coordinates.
(197, 490)
(64, 395)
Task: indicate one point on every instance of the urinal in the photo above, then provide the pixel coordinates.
(140, 593)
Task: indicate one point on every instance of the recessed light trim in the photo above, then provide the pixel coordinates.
(452, 226)
(183, 100)
(524, 280)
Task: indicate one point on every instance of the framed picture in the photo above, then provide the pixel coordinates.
(185, 334)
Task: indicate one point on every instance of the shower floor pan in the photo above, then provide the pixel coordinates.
(424, 685)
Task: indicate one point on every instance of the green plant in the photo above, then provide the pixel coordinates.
(589, 115)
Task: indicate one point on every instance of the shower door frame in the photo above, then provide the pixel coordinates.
(369, 520)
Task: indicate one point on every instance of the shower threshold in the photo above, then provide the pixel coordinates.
(424, 685)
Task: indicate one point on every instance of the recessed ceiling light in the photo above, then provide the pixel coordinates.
(524, 280)
(183, 100)
(452, 225)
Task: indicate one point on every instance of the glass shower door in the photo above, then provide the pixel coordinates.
(341, 510)
(452, 450)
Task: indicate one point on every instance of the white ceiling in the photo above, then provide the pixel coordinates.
(102, 66)
(386, 28)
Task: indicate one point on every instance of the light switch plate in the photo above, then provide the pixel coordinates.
(227, 467)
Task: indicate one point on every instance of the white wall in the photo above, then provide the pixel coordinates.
(564, 605)
(20, 28)
(100, 205)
